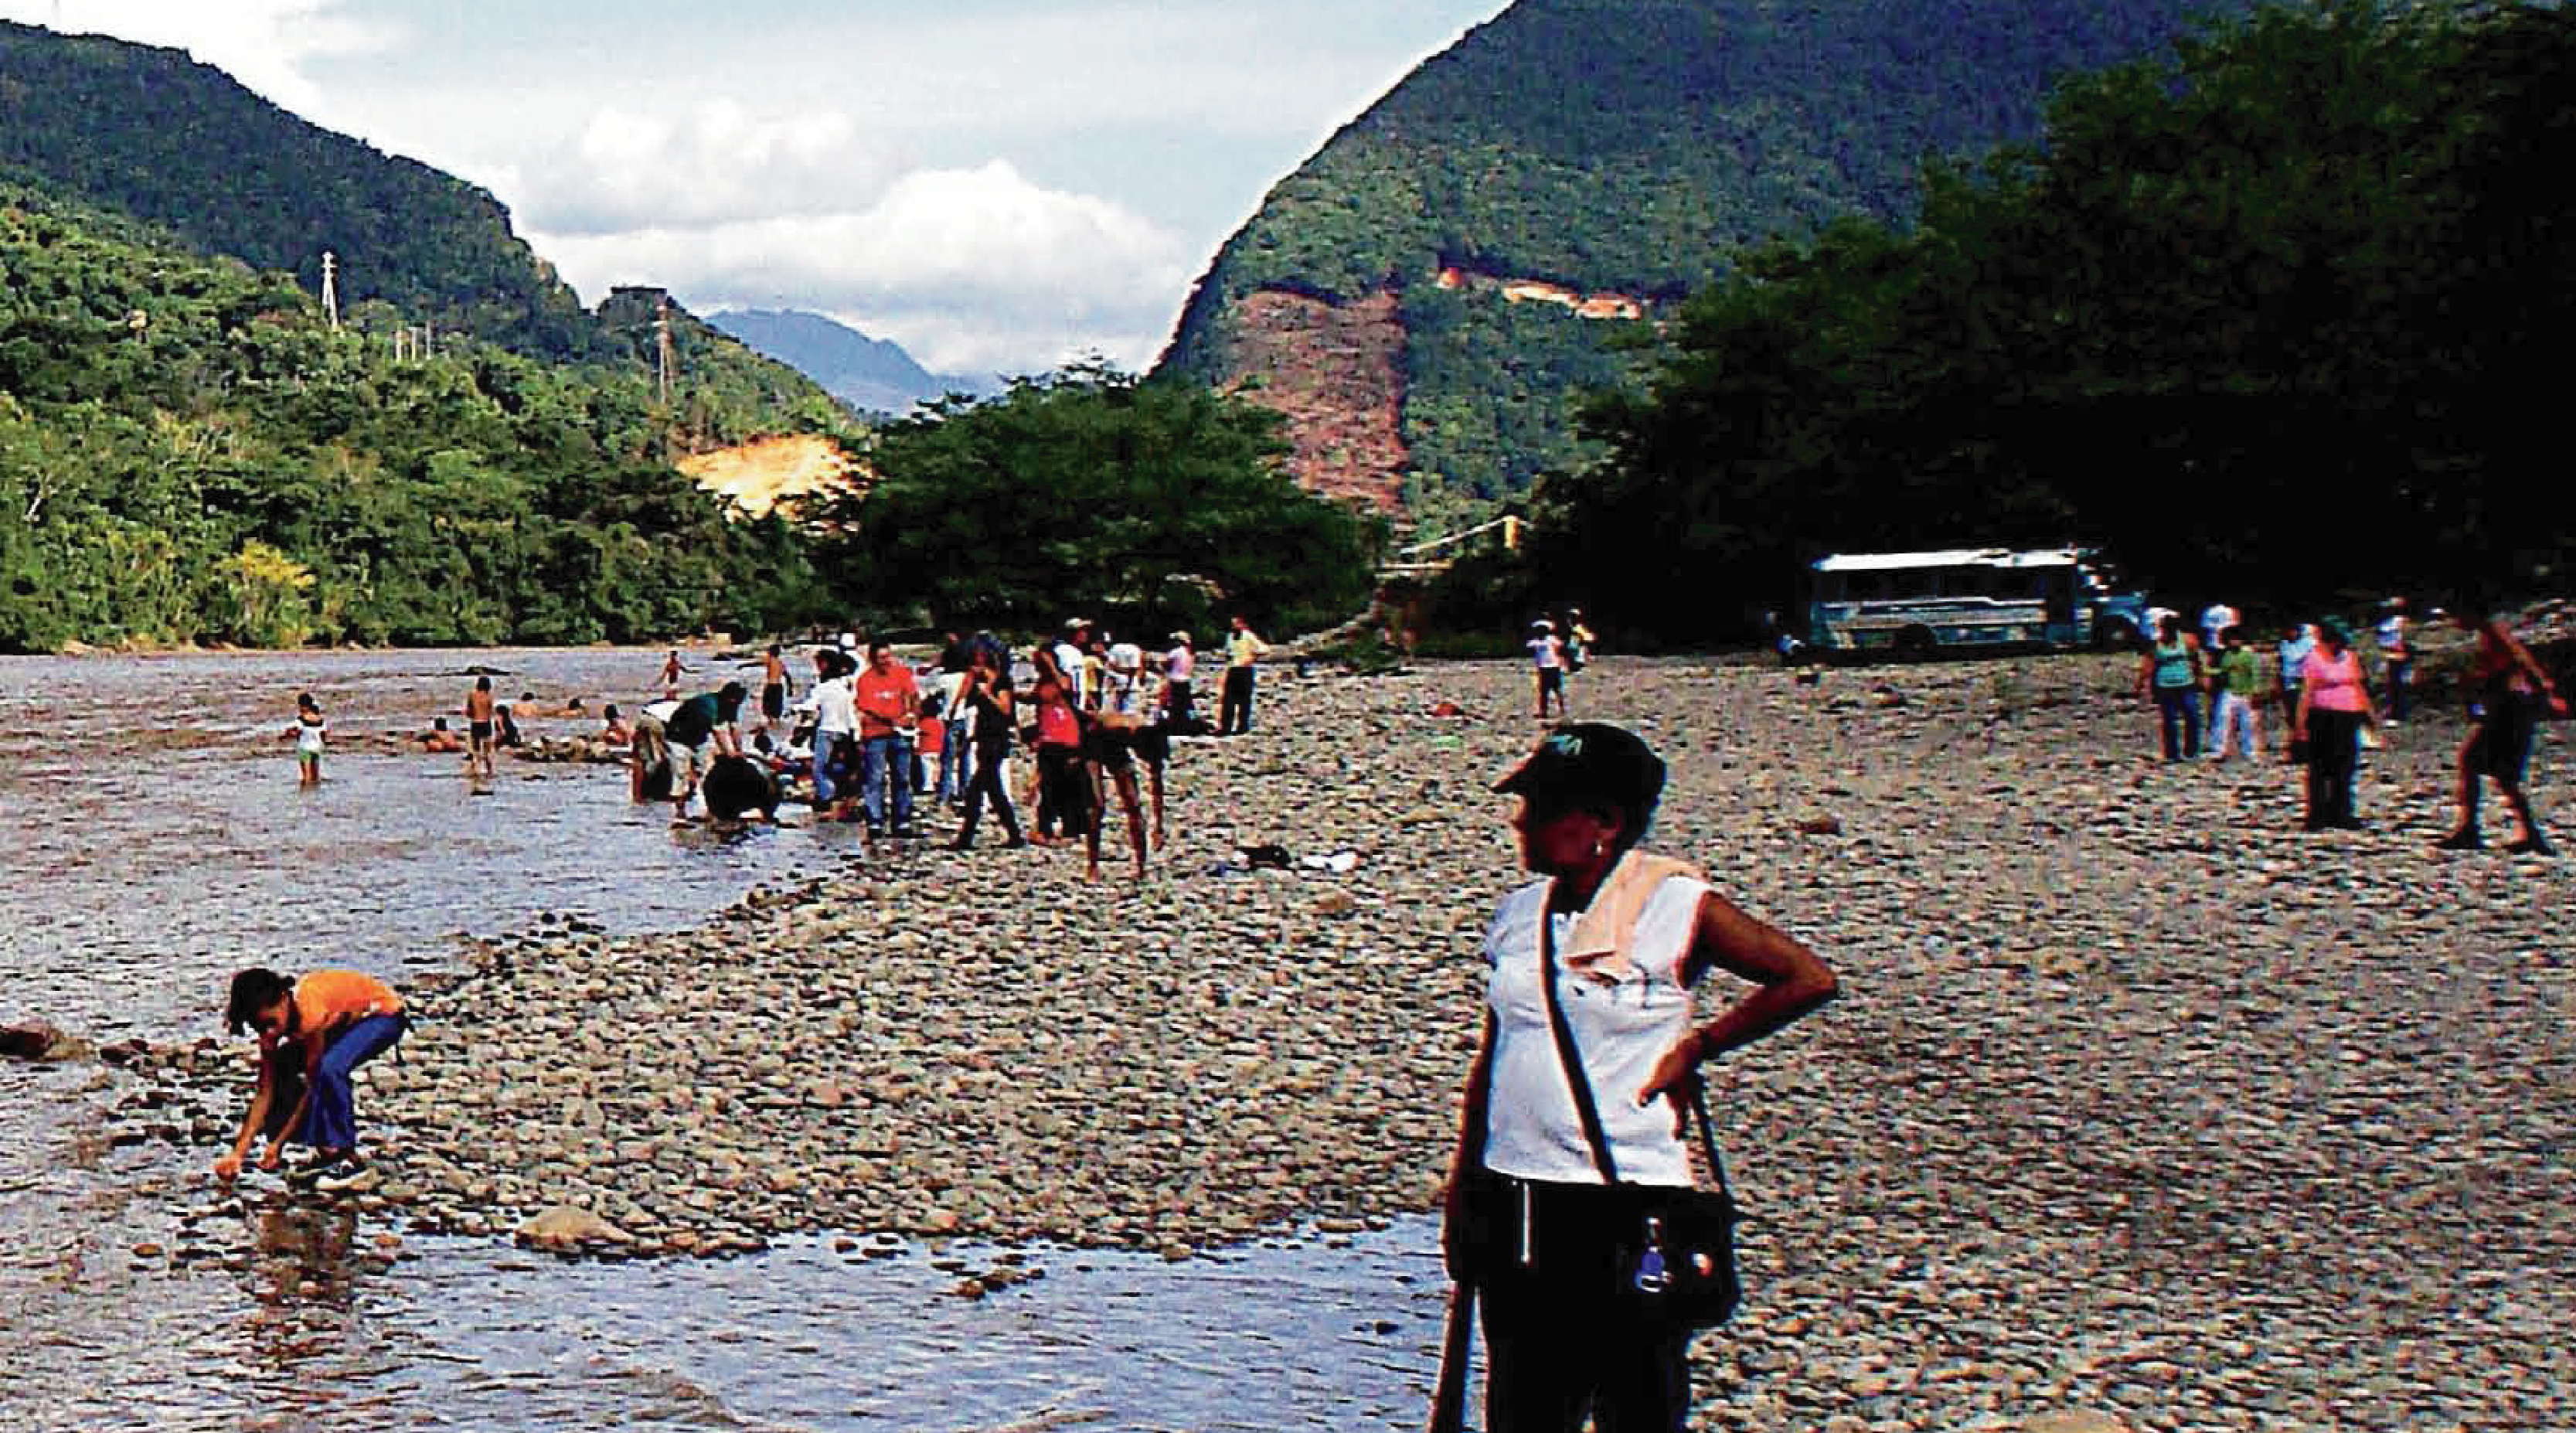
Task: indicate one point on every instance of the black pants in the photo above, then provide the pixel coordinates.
(1064, 793)
(1234, 709)
(987, 785)
(1560, 1342)
(2334, 756)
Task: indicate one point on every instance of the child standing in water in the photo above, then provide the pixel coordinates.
(309, 731)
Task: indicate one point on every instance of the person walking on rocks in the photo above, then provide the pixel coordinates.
(1589, 1059)
(671, 676)
(1243, 649)
(988, 697)
(2171, 668)
(2239, 695)
(2334, 705)
(2510, 690)
(1180, 667)
(2297, 641)
(1547, 659)
(2396, 658)
(313, 1035)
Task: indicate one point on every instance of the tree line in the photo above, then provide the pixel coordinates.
(2272, 317)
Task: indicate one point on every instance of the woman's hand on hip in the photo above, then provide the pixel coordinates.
(1673, 1077)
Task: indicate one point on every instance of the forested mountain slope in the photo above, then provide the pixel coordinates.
(189, 452)
(1423, 294)
(150, 133)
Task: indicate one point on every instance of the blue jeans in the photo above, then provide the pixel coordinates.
(953, 764)
(2180, 709)
(330, 1114)
(886, 761)
(826, 749)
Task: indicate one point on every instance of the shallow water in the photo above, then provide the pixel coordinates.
(161, 841)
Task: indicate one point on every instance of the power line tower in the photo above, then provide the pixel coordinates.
(662, 348)
(331, 289)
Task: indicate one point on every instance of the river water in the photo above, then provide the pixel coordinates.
(159, 840)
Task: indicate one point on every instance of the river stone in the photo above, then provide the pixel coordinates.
(2074, 1420)
(566, 1229)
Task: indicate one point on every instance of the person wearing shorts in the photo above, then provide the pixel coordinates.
(2512, 689)
(703, 721)
(479, 726)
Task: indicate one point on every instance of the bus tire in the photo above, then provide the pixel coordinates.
(2114, 635)
(1913, 644)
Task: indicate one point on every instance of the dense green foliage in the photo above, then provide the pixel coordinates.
(1633, 146)
(2275, 318)
(1143, 504)
(187, 452)
(150, 133)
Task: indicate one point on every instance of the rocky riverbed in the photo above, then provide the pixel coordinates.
(2138, 1101)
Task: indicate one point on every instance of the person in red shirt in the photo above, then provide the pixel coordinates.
(1064, 791)
(889, 703)
(313, 1034)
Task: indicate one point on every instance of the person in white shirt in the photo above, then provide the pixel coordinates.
(836, 726)
(1589, 1003)
(1547, 657)
(1180, 665)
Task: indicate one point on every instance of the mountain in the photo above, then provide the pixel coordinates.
(152, 134)
(192, 450)
(872, 375)
(1421, 296)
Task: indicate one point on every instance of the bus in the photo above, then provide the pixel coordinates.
(1913, 604)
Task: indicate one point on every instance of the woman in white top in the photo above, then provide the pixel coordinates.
(1631, 934)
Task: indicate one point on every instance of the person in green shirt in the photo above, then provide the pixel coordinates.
(2239, 720)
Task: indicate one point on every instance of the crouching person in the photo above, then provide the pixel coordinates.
(313, 1035)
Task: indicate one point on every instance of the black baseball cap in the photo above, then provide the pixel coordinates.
(1589, 762)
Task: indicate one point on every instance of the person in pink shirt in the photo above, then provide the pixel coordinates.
(2334, 705)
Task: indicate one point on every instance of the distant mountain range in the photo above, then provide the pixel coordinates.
(1424, 297)
(872, 375)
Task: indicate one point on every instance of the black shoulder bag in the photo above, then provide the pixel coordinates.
(1675, 1245)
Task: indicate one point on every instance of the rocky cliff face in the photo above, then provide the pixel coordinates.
(1336, 370)
(1462, 252)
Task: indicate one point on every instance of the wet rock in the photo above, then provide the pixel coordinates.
(43, 1043)
(567, 1229)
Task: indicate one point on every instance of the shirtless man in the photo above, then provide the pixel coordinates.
(479, 727)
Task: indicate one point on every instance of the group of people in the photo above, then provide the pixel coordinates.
(872, 740)
(2317, 683)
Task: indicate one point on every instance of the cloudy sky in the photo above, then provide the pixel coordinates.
(995, 184)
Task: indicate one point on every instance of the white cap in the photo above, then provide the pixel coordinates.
(849, 641)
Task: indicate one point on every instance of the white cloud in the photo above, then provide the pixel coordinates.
(265, 44)
(714, 162)
(971, 270)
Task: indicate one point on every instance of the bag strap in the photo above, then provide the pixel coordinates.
(1571, 1057)
(1566, 1052)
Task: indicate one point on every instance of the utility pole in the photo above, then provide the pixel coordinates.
(662, 347)
(331, 289)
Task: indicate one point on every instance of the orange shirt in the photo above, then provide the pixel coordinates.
(886, 700)
(326, 995)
